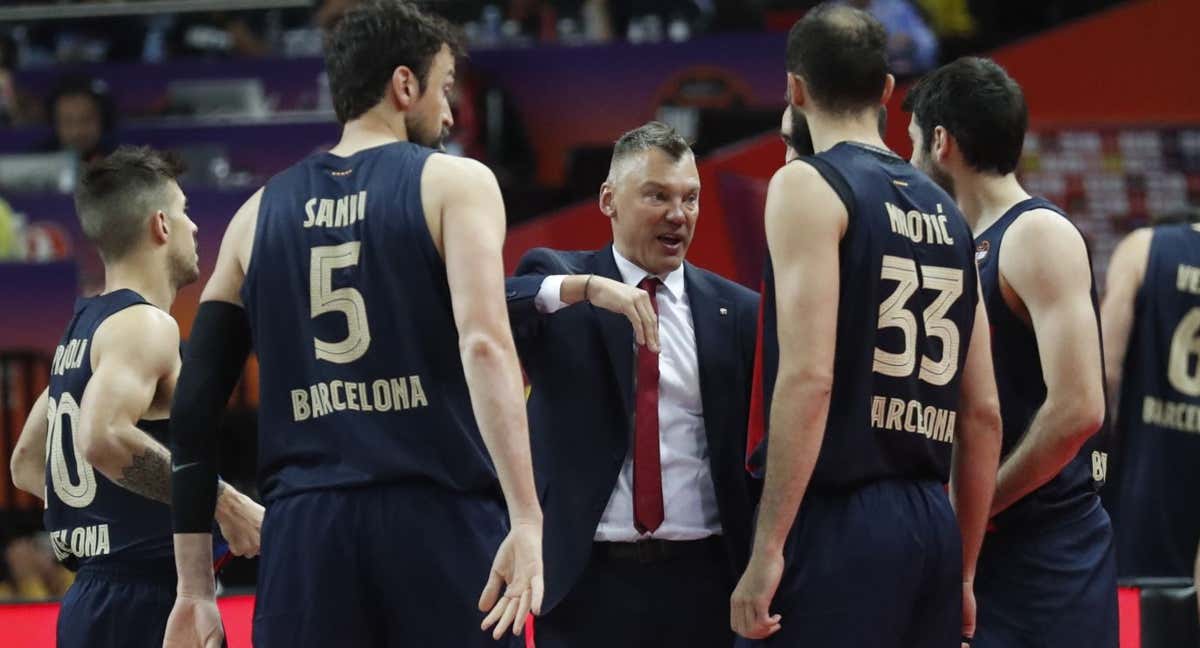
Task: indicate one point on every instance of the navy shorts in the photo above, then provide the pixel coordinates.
(876, 567)
(385, 566)
(122, 606)
(1049, 585)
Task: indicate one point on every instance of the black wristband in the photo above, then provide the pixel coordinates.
(212, 364)
(586, 285)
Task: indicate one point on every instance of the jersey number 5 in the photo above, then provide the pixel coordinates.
(324, 298)
(948, 282)
(76, 493)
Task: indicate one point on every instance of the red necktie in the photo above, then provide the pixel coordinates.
(647, 466)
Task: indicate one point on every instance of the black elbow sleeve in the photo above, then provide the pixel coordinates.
(212, 364)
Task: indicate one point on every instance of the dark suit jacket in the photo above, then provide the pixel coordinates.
(581, 361)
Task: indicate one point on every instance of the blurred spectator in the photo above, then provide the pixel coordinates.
(954, 25)
(17, 108)
(218, 33)
(912, 47)
(33, 573)
(82, 117)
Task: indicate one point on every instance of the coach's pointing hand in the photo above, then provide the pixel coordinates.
(518, 565)
(630, 301)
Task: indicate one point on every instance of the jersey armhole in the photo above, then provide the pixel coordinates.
(254, 244)
(839, 186)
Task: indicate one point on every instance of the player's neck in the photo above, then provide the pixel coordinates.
(828, 131)
(370, 130)
(132, 274)
(984, 198)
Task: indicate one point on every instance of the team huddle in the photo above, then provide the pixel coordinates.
(900, 443)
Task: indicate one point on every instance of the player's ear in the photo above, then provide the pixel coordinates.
(942, 145)
(797, 90)
(158, 227)
(889, 86)
(406, 88)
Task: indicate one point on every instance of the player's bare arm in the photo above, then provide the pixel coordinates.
(466, 212)
(135, 357)
(977, 441)
(194, 620)
(1045, 264)
(28, 462)
(805, 220)
(1126, 270)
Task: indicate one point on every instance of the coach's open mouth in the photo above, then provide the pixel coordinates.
(671, 243)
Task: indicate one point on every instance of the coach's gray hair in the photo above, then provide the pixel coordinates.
(650, 135)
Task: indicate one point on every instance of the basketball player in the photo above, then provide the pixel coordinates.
(1047, 573)
(93, 446)
(1151, 323)
(883, 362)
(391, 412)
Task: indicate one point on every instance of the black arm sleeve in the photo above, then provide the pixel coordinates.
(212, 364)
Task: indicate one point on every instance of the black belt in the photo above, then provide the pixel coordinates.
(652, 550)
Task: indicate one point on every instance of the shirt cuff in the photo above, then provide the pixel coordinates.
(549, 297)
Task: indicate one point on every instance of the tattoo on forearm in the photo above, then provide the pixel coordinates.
(149, 475)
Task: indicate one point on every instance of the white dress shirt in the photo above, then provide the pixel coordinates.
(689, 496)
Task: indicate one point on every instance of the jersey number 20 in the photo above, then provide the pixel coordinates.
(80, 492)
(948, 282)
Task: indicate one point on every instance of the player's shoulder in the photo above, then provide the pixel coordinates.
(141, 328)
(452, 168)
(1042, 229)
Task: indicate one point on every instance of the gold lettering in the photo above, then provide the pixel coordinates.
(399, 393)
(309, 213)
(343, 212)
(325, 213)
(362, 398)
(300, 410)
(318, 407)
(895, 415)
(335, 397)
(383, 395)
(418, 394)
(878, 405)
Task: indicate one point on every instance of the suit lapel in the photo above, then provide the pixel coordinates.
(617, 333)
(713, 320)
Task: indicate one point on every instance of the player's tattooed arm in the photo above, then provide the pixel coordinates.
(149, 474)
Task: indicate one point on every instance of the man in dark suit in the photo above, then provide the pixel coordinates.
(640, 366)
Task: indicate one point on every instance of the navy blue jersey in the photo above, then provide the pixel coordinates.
(360, 377)
(1158, 498)
(89, 517)
(906, 308)
(1022, 388)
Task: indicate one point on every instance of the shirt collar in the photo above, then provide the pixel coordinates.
(632, 275)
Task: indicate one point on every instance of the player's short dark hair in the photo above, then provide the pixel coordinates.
(841, 53)
(651, 135)
(976, 101)
(371, 41)
(117, 194)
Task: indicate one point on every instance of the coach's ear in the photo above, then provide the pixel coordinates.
(607, 200)
(406, 88)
